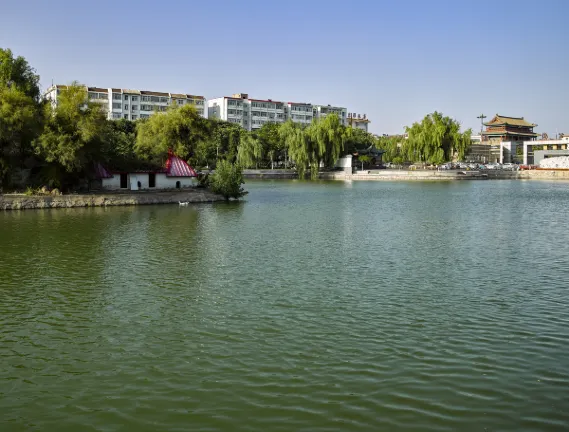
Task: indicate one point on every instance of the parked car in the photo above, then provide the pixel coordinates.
(510, 167)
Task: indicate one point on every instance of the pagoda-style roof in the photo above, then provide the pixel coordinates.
(509, 132)
(500, 120)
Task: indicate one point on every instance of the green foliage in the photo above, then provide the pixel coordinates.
(179, 129)
(327, 139)
(227, 180)
(357, 139)
(363, 159)
(250, 151)
(20, 123)
(75, 133)
(435, 140)
(16, 73)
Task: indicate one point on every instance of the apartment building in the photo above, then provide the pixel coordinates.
(251, 114)
(132, 104)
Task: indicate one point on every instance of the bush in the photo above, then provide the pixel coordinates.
(227, 180)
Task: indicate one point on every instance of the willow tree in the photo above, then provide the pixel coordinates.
(436, 139)
(250, 150)
(179, 129)
(327, 136)
(295, 143)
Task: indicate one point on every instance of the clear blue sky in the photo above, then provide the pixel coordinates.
(393, 60)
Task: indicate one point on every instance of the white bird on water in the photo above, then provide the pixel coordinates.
(183, 203)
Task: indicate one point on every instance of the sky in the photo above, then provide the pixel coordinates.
(395, 61)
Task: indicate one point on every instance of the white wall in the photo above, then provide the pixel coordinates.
(112, 183)
(165, 182)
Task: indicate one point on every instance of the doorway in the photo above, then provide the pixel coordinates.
(124, 182)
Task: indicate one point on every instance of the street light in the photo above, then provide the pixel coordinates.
(481, 117)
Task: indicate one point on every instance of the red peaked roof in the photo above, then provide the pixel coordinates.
(176, 167)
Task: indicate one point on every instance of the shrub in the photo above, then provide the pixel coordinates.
(227, 180)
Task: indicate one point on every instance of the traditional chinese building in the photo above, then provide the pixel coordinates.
(512, 129)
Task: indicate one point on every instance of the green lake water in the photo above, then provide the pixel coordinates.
(363, 306)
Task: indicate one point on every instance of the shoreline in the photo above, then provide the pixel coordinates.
(24, 202)
(415, 175)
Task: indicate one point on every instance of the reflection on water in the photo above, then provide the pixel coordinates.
(310, 306)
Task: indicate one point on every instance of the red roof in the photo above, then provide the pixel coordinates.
(176, 167)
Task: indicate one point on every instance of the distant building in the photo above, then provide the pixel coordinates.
(131, 104)
(502, 128)
(252, 114)
(358, 121)
(536, 151)
(501, 140)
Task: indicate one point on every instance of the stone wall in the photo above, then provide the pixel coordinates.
(22, 202)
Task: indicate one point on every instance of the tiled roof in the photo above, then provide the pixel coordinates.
(176, 167)
(501, 133)
(512, 121)
(98, 89)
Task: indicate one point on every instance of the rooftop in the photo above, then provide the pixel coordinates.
(511, 121)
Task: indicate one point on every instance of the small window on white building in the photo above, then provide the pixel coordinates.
(126, 107)
(135, 107)
(135, 98)
(125, 116)
(134, 117)
(125, 97)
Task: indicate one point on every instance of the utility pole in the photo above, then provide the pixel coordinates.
(481, 117)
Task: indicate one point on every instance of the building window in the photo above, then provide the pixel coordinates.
(164, 99)
(135, 107)
(144, 116)
(116, 105)
(134, 117)
(151, 180)
(126, 107)
(180, 101)
(117, 96)
(125, 116)
(135, 98)
(145, 98)
(124, 183)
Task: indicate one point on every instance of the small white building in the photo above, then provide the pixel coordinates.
(176, 174)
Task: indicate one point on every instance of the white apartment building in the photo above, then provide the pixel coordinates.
(132, 104)
(358, 121)
(251, 114)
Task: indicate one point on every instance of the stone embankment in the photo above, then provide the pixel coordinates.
(418, 175)
(23, 202)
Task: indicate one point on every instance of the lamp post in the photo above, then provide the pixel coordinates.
(481, 117)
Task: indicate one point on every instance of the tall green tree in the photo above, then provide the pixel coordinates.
(327, 138)
(20, 123)
(297, 145)
(250, 150)
(17, 74)
(76, 133)
(435, 139)
(179, 129)
(272, 144)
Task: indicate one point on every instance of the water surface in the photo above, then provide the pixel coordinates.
(309, 307)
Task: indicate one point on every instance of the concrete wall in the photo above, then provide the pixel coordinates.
(113, 183)
(164, 182)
